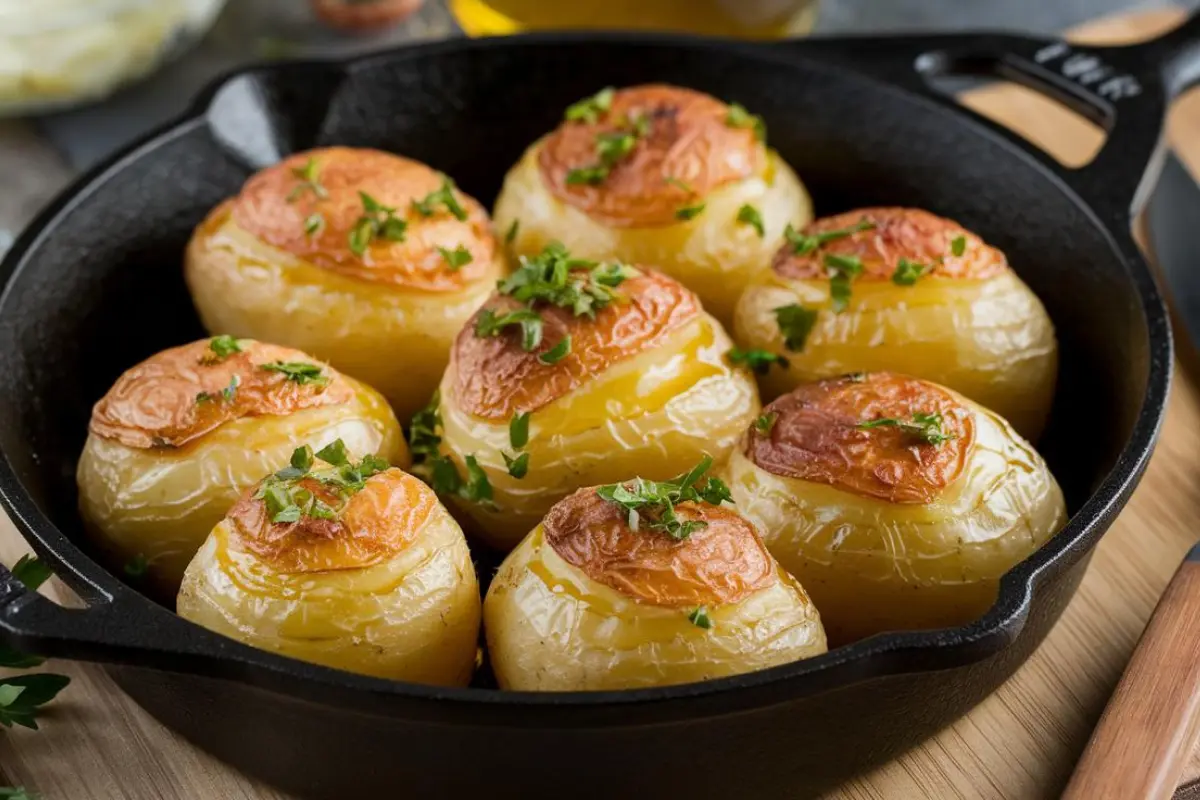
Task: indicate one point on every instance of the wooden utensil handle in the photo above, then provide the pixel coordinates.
(1148, 730)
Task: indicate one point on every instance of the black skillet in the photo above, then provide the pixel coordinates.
(95, 285)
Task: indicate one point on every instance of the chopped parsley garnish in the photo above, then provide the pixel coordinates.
(590, 176)
(227, 394)
(136, 567)
(795, 323)
(611, 148)
(758, 360)
(640, 123)
(803, 243)
(377, 222)
(749, 215)
(477, 487)
(313, 224)
(554, 277)
(765, 423)
(443, 476)
(590, 109)
(518, 430)
(925, 427)
(909, 272)
(299, 372)
(442, 196)
(739, 117)
(310, 181)
(288, 500)
(699, 617)
(457, 258)
(223, 347)
(517, 467)
(689, 212)
(423, 437)
(558, 352)
(31, 571)
(676, 182)
(842, 270)
(490, 323)
(655, 501)
(958, 245)
(511, 234)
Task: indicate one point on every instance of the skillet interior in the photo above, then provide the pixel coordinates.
(100, 287)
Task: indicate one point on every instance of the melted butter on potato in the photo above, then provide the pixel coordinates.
(279, 262)
(177, 438)
(885, 530)
(386, 588)
(645, 389)
(967, 322)
(672, 200)
(586, 603)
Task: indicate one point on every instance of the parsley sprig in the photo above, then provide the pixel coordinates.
(424, 436)
(655, 501)
(842, 270)
(795, 323)
(309, 181)
(760, 361)
(221, 347)
(489, 323)
(21, 697)
(805, 243)
(765, 423)
(749, 215)
(442, 196)
(518, 437)
(909, 272)
(288, 500)
(377, 222)
(739, 117)
(457, 258)
(300, 372)
(590, 109)
(612, 147)
(925, 427)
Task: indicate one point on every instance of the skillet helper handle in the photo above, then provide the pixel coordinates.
(1150, 726)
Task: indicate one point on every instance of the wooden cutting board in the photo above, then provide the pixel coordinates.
(96, 744)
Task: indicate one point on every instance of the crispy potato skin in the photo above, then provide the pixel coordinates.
(407, 609)
(873, 565)
(551, 627)
(252, 272)
(971, 324)
(654, 414)
(161, 503)
(713, 254)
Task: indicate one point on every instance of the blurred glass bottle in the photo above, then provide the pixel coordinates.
(751, 19)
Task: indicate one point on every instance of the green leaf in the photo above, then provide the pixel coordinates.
(457, 258)
(765, 422)
(517, 467)
(589, 176)
(699, 617)
(590, 109)
(558, 352)
(803, 244)
(909, 272)
(299, 372)
(613, 147)
(842, 270)
(334, 453)
(224, 346)
(373, 206)
(795, 323)
(690, 212)
(442, 196)
(958, 246)
(477, 487)
(31, 571)
(444, 477)
(739, 117)
(16, 793)
(652, 503)
(511, 234)
(22, 696)
(14, 659)
(491, 324)
(925, 427)
(288, 514)
(749, 215)
(361, 234)
(760, 361)
(309, 181)
(393, 229)
(518, 430)
(313, 224)
(423, 438)
(302, 459)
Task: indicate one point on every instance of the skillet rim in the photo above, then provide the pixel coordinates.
(879, 656)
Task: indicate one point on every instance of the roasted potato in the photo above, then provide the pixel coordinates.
(350, 565)
(658, 175)
(897, 503)
(367, 260)
(901, 289)
(627, 376)
(178, 437)
(589, 602)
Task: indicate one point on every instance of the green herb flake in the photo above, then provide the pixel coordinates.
(958, 246)
(909, 272)
(739, 117)
(924, 427)
(842, 270)
(517, 467)
(442, 196)
(31, 571)
(377, 222)
(689, 212)
(424, 437)
(676, 182)
(795, 323)
(224, 346)
(334, 453)
(457, 258)
(654, 501)
(558, 352)
(760, 361)
(299, 372)
(443, 476)
(699, 617)
(518, 430)
(590, 176)
(590, 109)
(803, 243)
(288, 500)
(489, 323)
(313, 225)
(309, 177)
(749, 215)
(555, 278)
(16, 793)
(477, 487)
(511, 234)
(765, 423)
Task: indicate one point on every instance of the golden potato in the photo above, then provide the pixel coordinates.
(366, 260)
(658, 175)
(354, 566)
(608, 596)
(898, 504)
(926, 298)
(178, 437)
(637, 383)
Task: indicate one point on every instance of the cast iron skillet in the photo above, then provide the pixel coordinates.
(95, 285)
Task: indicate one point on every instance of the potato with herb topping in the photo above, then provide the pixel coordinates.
(349, 564)
(659, 175)
(367, 260)
(178, 437)
(644, 584)
(898, 503)
(576, 373)
(901, 289)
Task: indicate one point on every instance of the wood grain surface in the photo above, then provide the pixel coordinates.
(1022, 742)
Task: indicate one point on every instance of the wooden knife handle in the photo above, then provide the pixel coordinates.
(1148, 730)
